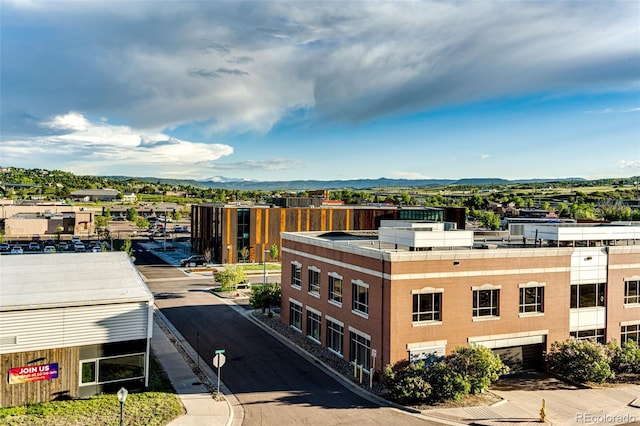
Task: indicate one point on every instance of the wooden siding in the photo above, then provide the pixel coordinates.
(66, 385)
(67, 327)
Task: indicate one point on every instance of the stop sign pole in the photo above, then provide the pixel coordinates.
(218, 361)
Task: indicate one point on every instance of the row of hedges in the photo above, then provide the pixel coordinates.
(466, 370)
(584, 361)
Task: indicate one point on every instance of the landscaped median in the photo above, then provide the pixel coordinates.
(158, 406)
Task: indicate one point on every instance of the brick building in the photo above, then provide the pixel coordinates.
(413, 290)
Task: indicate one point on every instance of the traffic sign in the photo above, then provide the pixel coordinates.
(219, 351)
(219, 360)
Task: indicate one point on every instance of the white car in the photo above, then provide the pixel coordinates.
(79, 248)
(49, 249)
(75, 240)
(17, 250)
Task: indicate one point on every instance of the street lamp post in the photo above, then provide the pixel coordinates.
(264, 267)
(122, 397)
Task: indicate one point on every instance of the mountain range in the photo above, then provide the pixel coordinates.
(221, 182)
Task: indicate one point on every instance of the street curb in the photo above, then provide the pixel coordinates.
(236, 410)
(318, 363)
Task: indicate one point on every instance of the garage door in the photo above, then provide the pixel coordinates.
(519, 358)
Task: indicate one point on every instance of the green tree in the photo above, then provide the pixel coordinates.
(563, 210)
(58, 232)
(274, 252)
(132, 214)
(100, 222)
(142, 223)
(126, 246)
(490, 220)
(264, 297)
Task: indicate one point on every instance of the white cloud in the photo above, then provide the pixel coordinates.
(80, 145)
(619, 110)
(243, 68)
(485, 156)
(633, 164)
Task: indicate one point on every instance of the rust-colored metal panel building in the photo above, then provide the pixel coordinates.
(237, 233)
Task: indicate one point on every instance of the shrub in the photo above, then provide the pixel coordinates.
(625, 358)
(446, 383)
(478, 364)
(407, 383)
(580, 360)
(230, 277)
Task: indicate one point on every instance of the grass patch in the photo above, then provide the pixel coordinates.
(158, 406)
(259, 266)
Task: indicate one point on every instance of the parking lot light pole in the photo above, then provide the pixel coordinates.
(264, 267)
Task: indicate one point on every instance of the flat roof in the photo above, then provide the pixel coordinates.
(622, 233)
(37, 281)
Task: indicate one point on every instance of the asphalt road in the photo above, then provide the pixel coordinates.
(274, 384)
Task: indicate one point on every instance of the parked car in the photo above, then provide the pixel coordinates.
(35, 238)
(96, 249)
(5, 247)
(49, 249)
(75, 239)
(49, 242)
(79, 248)
(63, 246)
(179, 229)
(17, 250)
(34, 246)
(196, 259)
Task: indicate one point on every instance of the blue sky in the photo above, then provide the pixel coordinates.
(273, 90)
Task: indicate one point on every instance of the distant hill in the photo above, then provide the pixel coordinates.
(355, 184)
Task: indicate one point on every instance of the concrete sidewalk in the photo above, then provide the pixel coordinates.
(564, 406)
(195, 393)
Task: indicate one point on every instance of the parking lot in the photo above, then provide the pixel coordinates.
(166, 233)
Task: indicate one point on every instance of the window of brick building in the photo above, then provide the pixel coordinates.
(295, 314)
(486, 303)
(335, 289)
(587, 295)
(596, 334)
(360, 294)
(314, 324)
(314, 280)
(630, 332)
(296, 275)
(335, 335)
(427, 305)
(531, 300)
(360, 348)
(631, 292)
